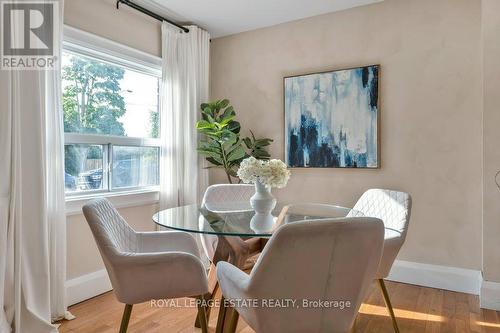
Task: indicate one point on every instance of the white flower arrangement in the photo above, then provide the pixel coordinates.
(272, 173)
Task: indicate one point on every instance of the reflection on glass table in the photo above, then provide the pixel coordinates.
(235, 219)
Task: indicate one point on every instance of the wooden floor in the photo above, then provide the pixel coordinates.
(419, 310)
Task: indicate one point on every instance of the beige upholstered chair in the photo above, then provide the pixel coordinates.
(220, 198)
(394, 209)
(328, 260)
(146, 265)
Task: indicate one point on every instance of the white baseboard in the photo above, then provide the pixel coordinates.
(435, 276)
(87, 286)
(490, 295)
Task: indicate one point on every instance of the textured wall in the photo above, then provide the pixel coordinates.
(125, 26)
(431, 110)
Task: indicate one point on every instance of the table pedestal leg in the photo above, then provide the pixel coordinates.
(238, 251)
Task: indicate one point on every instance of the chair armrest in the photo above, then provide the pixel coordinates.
(233, 281)
(139, 277)
(165, 241)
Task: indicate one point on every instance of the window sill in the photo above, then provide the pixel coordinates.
(136, 198)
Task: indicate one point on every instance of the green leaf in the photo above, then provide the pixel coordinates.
(227, 120)
(202, 124)
(209, 153)
(229, 148)
(228, 112)
(223, 104)
(248, 143)
(262, 142)
(234, 127)
(236, 154)
(216, 162)
(208, 111)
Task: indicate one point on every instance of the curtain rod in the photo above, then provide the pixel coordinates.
(149, 13)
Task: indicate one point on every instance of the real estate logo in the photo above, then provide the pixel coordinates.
(29, 34)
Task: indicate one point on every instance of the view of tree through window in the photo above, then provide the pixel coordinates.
(101, 99)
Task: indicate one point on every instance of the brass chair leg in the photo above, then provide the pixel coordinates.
(233, 321)
(221, 317)
(213, 286)
(212, 299)
(125, 318)
(381, 283)
(202, 314)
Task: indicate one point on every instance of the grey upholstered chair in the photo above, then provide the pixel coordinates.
(329, 260)
(394, 209)
(146, 265)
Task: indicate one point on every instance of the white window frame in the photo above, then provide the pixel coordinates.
(86, 44)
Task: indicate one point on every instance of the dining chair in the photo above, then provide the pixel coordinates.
(394, 209)
(220, 198)
(146, 265)
(330, 260)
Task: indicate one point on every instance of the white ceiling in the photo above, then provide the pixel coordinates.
(227, 17)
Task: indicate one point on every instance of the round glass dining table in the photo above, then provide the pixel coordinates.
(236, 232)
(236, 218)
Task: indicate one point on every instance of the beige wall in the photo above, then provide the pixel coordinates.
(125, 26)
(133, 29)
(491, 120)
(431, 138)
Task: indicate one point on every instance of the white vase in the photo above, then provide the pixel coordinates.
(262, 223)
(262, 201)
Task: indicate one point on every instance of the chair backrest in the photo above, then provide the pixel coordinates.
(220, 194)
(329, 260)
(219, 198)
(392, 207)
(110, 230)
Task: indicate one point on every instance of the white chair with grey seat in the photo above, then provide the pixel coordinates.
(394, 209)
(146, 265)
(333, 259)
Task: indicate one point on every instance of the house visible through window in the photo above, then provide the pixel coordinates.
(111, 124)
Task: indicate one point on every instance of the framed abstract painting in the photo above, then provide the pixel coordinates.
(331, 119)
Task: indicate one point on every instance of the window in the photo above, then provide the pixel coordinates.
(110, 122)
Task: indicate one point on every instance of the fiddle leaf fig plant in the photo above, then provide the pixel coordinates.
(222, 145)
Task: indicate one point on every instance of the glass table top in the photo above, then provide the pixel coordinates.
(239, 219)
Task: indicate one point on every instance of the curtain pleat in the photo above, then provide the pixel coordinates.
(185, 69)
(32, 216)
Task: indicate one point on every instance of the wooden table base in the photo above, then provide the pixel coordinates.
(236, 251)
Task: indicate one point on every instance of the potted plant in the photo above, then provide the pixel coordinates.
(221, 143)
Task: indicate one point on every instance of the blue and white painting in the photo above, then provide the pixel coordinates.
(331, 119)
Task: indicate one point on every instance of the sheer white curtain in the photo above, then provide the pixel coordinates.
(185, 67)
(32, 218)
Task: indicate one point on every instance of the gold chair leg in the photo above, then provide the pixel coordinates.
(125, 318)
(381, 283)
(202, 314)
(233, 321)
(221, 317)
(211, 297)
(213, 286)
